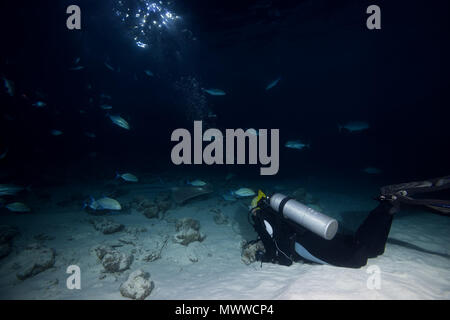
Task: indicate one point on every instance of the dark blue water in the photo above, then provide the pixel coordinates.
(332, 69)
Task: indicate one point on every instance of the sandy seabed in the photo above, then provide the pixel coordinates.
(416, 263)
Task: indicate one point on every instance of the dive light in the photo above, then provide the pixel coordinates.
(318, 223)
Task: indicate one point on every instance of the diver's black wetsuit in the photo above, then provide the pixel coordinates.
(351, 251)
(290, 242)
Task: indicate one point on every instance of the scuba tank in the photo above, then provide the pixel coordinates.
(316, 222)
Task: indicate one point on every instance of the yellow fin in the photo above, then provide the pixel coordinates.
(261, 194)
(256, 199)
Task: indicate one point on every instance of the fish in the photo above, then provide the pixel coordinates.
(354, 126)
(243, 192)
(149, 73)
(212, 115)
(9, 86)
(119, 121)
(252, 132)
(39, 104)
(105, 96)
(141, 44)
(104, 203)
(372, 170)
(77, 60)
(17, 207)
(127, 177)
(273, 83)
(90, 135)
(296, 144)
(56, 133)
(77, 68)
(109, 66)
(197, 183)
(214, 92)
(3, 155)
(106, 107)
(10, 189)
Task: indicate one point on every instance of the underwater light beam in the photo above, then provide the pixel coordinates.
(146, 20)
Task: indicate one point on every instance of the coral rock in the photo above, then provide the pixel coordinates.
(33, 260)
(115, 261)
(107, 226)
(187, 223)
(152, 211)
(188, 231)
(138, 286)
(249, 252)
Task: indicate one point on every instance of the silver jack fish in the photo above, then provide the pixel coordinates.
(273, 83)
(119, 121)
(215, 92)
(104, 203)
(354, 126)
(10, 190)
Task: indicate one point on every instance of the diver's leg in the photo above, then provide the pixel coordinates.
(374, 231)
(341, 251)
(350, 251)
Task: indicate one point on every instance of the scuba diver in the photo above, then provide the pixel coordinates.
(291, 231)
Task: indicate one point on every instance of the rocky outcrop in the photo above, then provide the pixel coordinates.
(154, 253)
(188, 230)
(155, 208)
(249, 251)
(113, 260)
(106, 226)
(163, 201)
(151, 212)
(116, 261)
(33, 260)
(219, 217)
(138, 286)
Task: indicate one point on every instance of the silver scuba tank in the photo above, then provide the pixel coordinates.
(322, 225)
